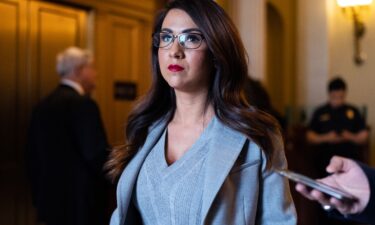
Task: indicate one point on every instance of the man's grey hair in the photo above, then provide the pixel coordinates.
(72, 59)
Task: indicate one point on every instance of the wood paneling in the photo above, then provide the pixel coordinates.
(141, 9)
(275, 74)
(9, 74)
(281, 57)
(31, 34)
(123, 59)
(13, 89)
(53, 28)
(148, 5)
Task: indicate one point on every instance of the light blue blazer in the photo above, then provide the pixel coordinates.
(238, 189)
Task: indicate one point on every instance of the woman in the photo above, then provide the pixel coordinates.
(196, 152)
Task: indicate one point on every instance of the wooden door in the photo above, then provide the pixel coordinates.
(31, 34)
(275, 78)
(280, 78)
(123, 59)
(52, 29)
(12, 84)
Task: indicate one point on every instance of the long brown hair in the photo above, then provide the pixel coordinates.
(225, 91)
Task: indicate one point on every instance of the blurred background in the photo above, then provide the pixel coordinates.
(295, 47)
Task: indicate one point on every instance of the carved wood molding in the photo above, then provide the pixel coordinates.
(143, 9)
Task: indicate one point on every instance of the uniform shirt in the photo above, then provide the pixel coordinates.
(326, 119)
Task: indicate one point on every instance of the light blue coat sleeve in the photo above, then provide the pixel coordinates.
(115, 218)
(276, 206)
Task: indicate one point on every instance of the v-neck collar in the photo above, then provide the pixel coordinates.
(194, 149)
(224, 150)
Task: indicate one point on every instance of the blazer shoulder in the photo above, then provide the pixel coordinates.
(231, 140)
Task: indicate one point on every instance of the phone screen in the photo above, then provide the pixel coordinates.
(328, 190)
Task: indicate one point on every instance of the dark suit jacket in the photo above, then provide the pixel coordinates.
(67, 148)
(368, 215)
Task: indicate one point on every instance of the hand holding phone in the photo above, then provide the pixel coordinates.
(328, 190)
(351, 180)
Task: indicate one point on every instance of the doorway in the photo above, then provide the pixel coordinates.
(29, 42)
(280, 79)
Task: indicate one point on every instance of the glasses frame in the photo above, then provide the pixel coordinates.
(175, 36)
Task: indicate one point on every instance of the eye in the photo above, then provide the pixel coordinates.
(193, 38)
(166, 37)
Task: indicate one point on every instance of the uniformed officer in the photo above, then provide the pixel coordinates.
(336, 128)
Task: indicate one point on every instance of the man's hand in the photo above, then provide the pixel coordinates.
(332, 137)
(358, 138)
(346, 176)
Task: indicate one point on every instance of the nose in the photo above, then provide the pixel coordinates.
(176, 50)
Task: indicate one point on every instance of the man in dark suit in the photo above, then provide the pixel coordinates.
(67, 148)
(353, 178)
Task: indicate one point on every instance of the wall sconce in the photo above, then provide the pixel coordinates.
(359, 27)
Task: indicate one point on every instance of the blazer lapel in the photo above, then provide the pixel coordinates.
(130, 174)
(225, 148)
(226, 145)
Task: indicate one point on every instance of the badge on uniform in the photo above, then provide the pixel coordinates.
(350, 114)
(324, 117)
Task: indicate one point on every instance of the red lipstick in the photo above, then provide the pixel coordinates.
(175, 68)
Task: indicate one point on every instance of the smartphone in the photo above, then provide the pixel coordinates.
(328, 190)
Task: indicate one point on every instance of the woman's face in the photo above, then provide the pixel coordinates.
(185, 70)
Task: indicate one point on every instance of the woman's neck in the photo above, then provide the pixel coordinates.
(191, 109)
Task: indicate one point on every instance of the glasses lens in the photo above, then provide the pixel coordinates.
(162, 39)
(186, 40)
(190, 40)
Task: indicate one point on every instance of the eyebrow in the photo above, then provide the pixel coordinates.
(184, 31)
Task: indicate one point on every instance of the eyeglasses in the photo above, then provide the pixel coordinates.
(185, 40)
